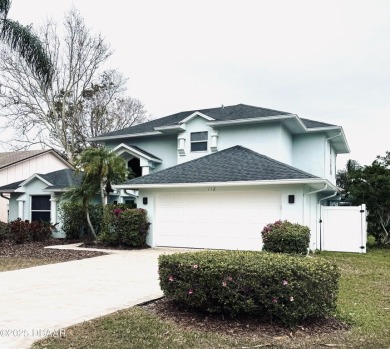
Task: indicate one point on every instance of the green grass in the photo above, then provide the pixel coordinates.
(14, 263)
(364, 301)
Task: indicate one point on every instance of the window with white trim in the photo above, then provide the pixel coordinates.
(199, 141)
(40, 208)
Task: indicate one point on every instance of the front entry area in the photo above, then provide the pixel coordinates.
(214, 219)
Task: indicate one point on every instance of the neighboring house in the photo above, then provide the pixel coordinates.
(19, 165)
(39, 196)
(213, 178)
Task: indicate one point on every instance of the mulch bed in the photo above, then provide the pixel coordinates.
(36, 250)
(243, 327)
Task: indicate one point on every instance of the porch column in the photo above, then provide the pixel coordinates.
(21, 200)
(21, 209)
(53, 209)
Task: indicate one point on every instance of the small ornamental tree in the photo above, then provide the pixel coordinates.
(286, 237)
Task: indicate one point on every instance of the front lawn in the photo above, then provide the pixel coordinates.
(364, 301)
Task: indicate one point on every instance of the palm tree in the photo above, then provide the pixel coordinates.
(84, 193)
(22, 40)
(103, 167)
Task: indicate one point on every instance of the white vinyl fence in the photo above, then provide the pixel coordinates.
(342, 228)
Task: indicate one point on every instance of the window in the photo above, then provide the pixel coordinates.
(199, 141)
(40, 208)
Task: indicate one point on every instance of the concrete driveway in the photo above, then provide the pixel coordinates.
(37, 301)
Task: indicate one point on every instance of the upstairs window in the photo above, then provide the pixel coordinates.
(199, 141)
(40, 208)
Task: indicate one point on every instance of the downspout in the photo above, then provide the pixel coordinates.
(310, 193)
(319, 203)
(325, 142)
(305, 205)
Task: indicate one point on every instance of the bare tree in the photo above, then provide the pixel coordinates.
(82, 100)
(105, 108)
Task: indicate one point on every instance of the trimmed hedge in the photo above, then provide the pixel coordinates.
(286, 237)
(124, 227)
(288, 289)
(24, 231)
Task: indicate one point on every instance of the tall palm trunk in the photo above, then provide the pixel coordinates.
(90, 224)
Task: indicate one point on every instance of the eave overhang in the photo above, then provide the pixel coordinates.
(314, 183)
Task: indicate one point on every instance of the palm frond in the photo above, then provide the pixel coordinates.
(21, 39)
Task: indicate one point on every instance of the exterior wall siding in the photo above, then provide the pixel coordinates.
(308, 153)
(272, 140)
(164, 147)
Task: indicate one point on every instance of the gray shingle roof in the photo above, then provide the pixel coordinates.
(60, 179)
(13, 157)
(229, 165)
(233, 112)
(314, 124)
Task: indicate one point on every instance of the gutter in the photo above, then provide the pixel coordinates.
(330, 149)
(221, 184)
(4, 197)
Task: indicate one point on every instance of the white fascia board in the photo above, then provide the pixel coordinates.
(333, 128)
(171, 129)
(253, 120)
(8, 190)
(226, 184)
(131, 135)
(63, 190)
(194, 115)
(35, 176)
(134, 152)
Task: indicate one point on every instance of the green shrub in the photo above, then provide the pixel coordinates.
(285, 288)
(4, 231)
(74, 220)
(124, 226)
(286, 237)
(371, 242)
(24, 231)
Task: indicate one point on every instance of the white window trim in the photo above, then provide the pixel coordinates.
(31, 210)
(202, 141)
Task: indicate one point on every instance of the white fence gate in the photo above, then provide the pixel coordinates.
(342, 228)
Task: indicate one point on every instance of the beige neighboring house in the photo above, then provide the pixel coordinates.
(19, 165)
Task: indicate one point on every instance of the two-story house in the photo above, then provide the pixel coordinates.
(213, 178)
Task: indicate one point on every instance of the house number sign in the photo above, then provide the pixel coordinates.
(211, 189)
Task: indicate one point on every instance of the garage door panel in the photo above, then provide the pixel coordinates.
(221, 220)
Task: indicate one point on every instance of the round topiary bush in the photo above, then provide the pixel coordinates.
(285, 288)
(286, 237)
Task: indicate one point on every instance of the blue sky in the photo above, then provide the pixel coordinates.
(322, 60)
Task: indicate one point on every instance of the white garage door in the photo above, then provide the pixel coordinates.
(214, 219)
